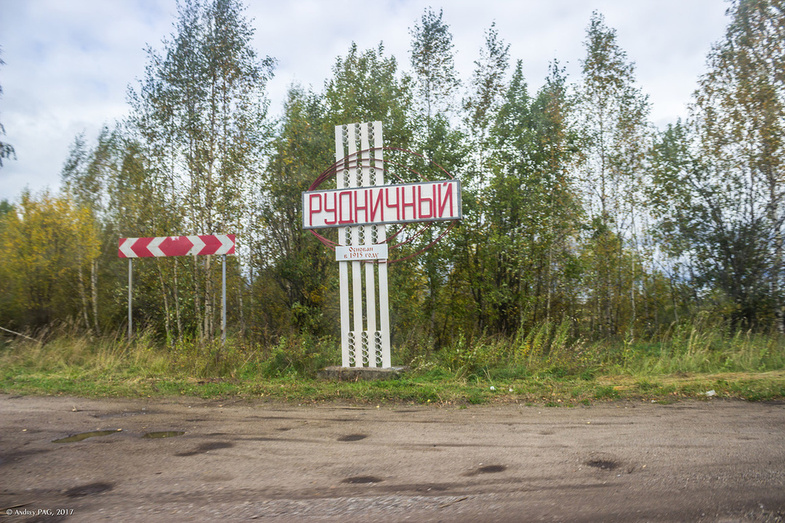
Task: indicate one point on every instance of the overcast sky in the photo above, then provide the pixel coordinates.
(69, 62)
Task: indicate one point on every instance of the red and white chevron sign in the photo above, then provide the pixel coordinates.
(176, 246)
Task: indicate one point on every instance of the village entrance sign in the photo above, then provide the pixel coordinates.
(363, 209)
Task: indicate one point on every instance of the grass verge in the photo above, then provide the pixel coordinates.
(687, 364)
(415, 387)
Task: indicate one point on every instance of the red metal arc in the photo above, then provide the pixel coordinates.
(351, 162)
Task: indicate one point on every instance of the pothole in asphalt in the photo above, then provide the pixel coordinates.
(487, 469)
(87, 490)
(357, 480)
(603, 464)
(353, 437)
(108, 415)
(73, 438)
(491, 469)
(163, 434)
(207, 447)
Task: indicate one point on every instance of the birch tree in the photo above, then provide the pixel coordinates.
(6, 149)
(612, 114)
(721, 171)
(482, 103)
(201, 111)
(433, 63)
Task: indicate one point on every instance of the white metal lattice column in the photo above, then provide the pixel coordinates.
(365, 322)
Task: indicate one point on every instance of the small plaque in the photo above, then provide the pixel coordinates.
(361, 252)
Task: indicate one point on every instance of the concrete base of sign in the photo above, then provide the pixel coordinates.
(361, 373)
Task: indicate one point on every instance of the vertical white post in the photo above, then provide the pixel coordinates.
(381, 337)
(341, 180)
(367, 237)
(364, 341)
(130, 299)
(223, 302)
(355, 180)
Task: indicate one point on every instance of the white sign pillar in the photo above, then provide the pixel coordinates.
(361, 208)
(365, 319)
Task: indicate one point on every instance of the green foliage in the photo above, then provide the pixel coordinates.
(605, 393)
(707, 346)
(433, 63)
(612, 120)
(302, 357)
(199, 117)
(718, 171)
(588, 244)
(367, 87)
(49, 243)
(292, 267)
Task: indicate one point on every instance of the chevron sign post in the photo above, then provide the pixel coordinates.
(161, 246)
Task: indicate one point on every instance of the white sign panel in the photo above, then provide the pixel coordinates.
(416, 202)
(361, 252)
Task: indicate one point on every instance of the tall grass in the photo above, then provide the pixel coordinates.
(64, 350)
(546, 350)
(705, 347)
(688, 347)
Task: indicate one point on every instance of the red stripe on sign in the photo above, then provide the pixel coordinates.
(140, 247)
(211, 244)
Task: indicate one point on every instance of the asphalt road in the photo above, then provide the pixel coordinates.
(711, 460)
